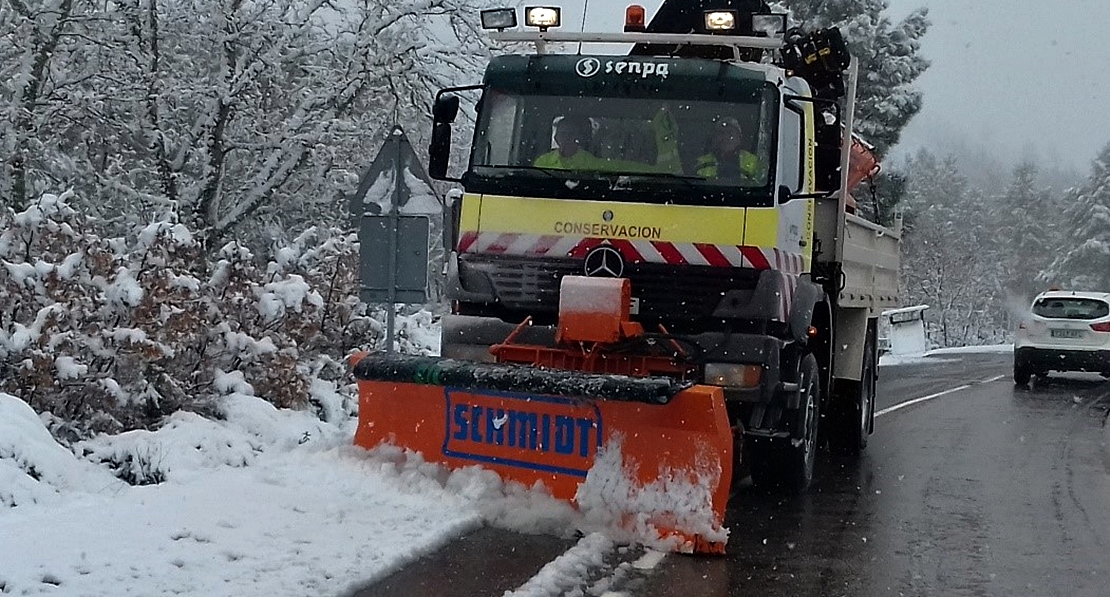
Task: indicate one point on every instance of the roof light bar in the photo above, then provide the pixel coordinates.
(542, 17)
(499, 18)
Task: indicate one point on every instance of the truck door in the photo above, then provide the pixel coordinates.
(795, 172)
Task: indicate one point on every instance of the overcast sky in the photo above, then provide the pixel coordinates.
(1016, 78)
(1015, 74)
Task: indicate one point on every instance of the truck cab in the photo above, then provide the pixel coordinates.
(687, 241)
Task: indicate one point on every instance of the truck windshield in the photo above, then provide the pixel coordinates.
(721, 149)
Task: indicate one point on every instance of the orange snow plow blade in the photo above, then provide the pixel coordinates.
(662, 462)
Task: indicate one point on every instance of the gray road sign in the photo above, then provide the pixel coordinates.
(375, 235)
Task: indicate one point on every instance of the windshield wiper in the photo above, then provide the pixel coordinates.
(564, 174)
(684, 178)
(548, 171)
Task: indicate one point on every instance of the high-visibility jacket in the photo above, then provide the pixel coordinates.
(751, 169)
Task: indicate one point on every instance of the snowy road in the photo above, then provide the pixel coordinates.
(969, 487)
(987, 490)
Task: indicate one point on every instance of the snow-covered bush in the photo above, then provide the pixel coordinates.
(110, 334)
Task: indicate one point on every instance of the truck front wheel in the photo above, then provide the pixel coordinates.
(853, 413)
(801, 453)
(789, 462)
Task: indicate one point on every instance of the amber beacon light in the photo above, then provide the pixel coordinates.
(634, 19)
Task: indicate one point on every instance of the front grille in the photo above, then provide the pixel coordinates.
(667, 293)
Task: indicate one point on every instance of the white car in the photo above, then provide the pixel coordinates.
(1064, 331)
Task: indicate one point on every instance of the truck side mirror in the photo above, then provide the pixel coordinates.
(445, 109)
(440, 151)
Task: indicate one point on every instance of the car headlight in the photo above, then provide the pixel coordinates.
(733, 375)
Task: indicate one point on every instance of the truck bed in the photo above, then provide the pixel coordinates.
(870, 261)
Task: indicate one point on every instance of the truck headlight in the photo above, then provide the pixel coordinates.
(732, 375)
(720, 20)
(543, 17)
(499, 18)
(769, 25)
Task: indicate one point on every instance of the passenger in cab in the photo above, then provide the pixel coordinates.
(727, 160)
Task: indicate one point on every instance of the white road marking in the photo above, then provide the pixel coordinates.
(649, 560)
(995, 378)
(891, 409)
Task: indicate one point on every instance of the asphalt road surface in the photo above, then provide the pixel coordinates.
(970, 486)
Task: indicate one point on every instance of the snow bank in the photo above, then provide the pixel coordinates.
(34, 469)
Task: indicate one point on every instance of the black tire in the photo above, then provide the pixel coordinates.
(1022, 373)
(800, 458)
(851, 422)
(779, 463)
(762, 456)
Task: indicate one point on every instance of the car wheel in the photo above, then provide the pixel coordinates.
(1022, 373)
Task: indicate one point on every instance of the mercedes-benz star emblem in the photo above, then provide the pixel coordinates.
(604, 261)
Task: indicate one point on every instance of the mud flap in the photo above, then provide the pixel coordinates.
(664, 467)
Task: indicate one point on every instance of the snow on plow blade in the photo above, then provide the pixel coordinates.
(655, 451)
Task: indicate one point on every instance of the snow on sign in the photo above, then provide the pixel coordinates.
(395, 178)
(391, 208)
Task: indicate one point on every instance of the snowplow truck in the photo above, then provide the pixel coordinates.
(657, 284)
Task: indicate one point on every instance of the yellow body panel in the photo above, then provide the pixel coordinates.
(607, 219)
(761, 228)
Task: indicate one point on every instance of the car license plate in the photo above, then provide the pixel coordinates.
(1067, 333)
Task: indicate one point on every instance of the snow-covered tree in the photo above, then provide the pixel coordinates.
(1026, 216)
(219, 112)
(944, 264)
(40, 41)
(1083, 261)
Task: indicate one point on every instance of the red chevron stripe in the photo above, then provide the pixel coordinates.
(467, 241)
(755, 257)
(502, 243)
(579, 251)
(544, 244)
(628, 250)
(713, 255)
(669, 252)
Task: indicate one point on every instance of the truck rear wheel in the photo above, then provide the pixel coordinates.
(852, 418)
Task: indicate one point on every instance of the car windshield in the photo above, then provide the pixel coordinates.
(1071, 308)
